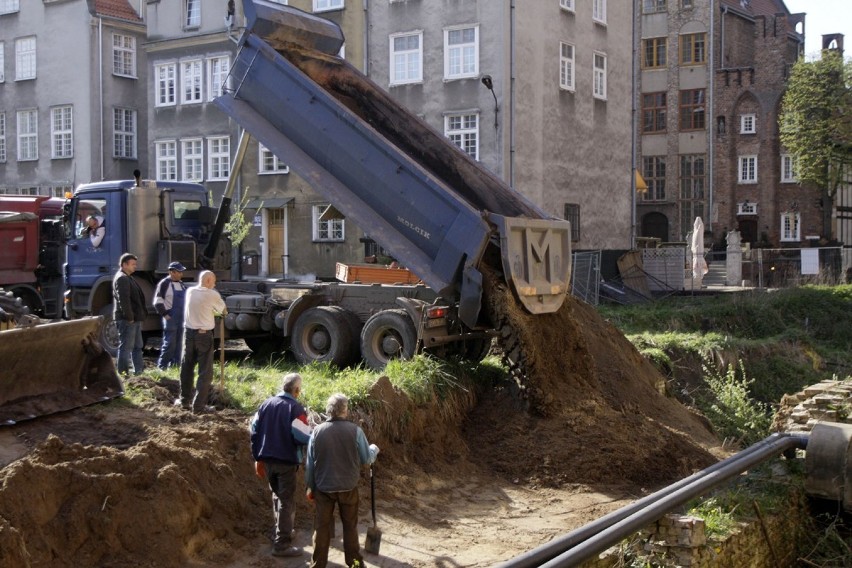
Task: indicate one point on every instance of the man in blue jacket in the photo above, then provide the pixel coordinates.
(279, 431)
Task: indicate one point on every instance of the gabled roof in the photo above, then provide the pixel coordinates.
(119, 9)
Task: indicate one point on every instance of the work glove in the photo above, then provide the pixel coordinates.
(374, 452)
(260, 470)
(309, 494)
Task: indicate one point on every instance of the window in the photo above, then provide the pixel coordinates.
(166, 155)
(9, 6)
(692, 49)
(599, 11)
(2, 136)
(217, 73)
(692, 183)
(219, 157)
(164, 75)
(652, 6)
(25, 58)
(654, 172)
(461, 52)
(190, 81)
(2, 63)
(746, 208)
(268, 163)
(27, 135)
(599, 83)
(124, 55)
(692, 109)
(330, 230)
(463, 131)
(192, 159)
(572, 215)
(747, 169)
(566, 66)
(686, 4)
(747, 124)
(406, 54)
(790, 229)
(61, 132)
(124, 133)
(788, 169)
(654, 112)
(192, 14)
(654, 52)
(322, 5)
(567, 5)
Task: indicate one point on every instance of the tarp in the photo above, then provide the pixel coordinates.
(699, 265)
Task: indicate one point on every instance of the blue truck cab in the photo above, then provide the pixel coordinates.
(159, 222)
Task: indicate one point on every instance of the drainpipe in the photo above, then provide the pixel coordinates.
(511, 94)
(633, 136)
(711, 105)
(366, 46)
(101, 93)
(581, 544)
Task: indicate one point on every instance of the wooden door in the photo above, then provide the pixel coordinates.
(276, 241)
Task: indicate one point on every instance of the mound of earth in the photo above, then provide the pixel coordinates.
(117, 485)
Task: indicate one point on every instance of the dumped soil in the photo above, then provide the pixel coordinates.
(469, 482)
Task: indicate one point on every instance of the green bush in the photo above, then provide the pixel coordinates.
(728, 404)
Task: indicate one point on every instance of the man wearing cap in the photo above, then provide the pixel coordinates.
(169, 300)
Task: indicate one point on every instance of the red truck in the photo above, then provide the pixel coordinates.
(32, 251)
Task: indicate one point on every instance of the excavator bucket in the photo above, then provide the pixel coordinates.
(54, 367)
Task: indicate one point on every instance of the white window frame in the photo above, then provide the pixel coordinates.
(2, 137)
(566, 67)
(411, 75)
(330, 231)
(25, 58)
(9, 6)
(191, 14)
(268, 163)
(217, 75)
(462, 128)
(567, 5)
(599, 11)
(791, 226)
(747, 169)
(27, 121)
(165, 84)
(124, 55)
(218, 158)
(462, 52)
(61, 132)
(599, 76)
(748, 123)
(788, 169)
(192, 159)
(326, 5)
(191, 81)
(2, 62)
(165, 152)
(746, 208)
(654, 6)
(123, 138)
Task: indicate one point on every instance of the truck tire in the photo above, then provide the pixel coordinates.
(323, 334)
(387, 335)
(109, 331)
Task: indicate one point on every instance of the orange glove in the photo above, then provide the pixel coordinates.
(260, 470)
(309, 494)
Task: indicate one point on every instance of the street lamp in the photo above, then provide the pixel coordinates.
(489, 84)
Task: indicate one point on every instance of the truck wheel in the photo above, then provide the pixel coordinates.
(323, 334)
(387, 335)
(109, 331)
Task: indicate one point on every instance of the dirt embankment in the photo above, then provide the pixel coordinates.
(153, 486)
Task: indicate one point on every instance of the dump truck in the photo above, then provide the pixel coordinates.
(32, 252)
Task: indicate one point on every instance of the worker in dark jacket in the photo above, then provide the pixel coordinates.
(129, 313)
(169, 299)
(336, 452)
(279, 431)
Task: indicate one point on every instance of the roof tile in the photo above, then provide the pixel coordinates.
(120, 9)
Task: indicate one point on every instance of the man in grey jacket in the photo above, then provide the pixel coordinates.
(337, 450)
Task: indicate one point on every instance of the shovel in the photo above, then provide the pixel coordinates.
(374, 535)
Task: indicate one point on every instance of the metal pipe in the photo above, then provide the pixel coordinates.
(589, 535)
